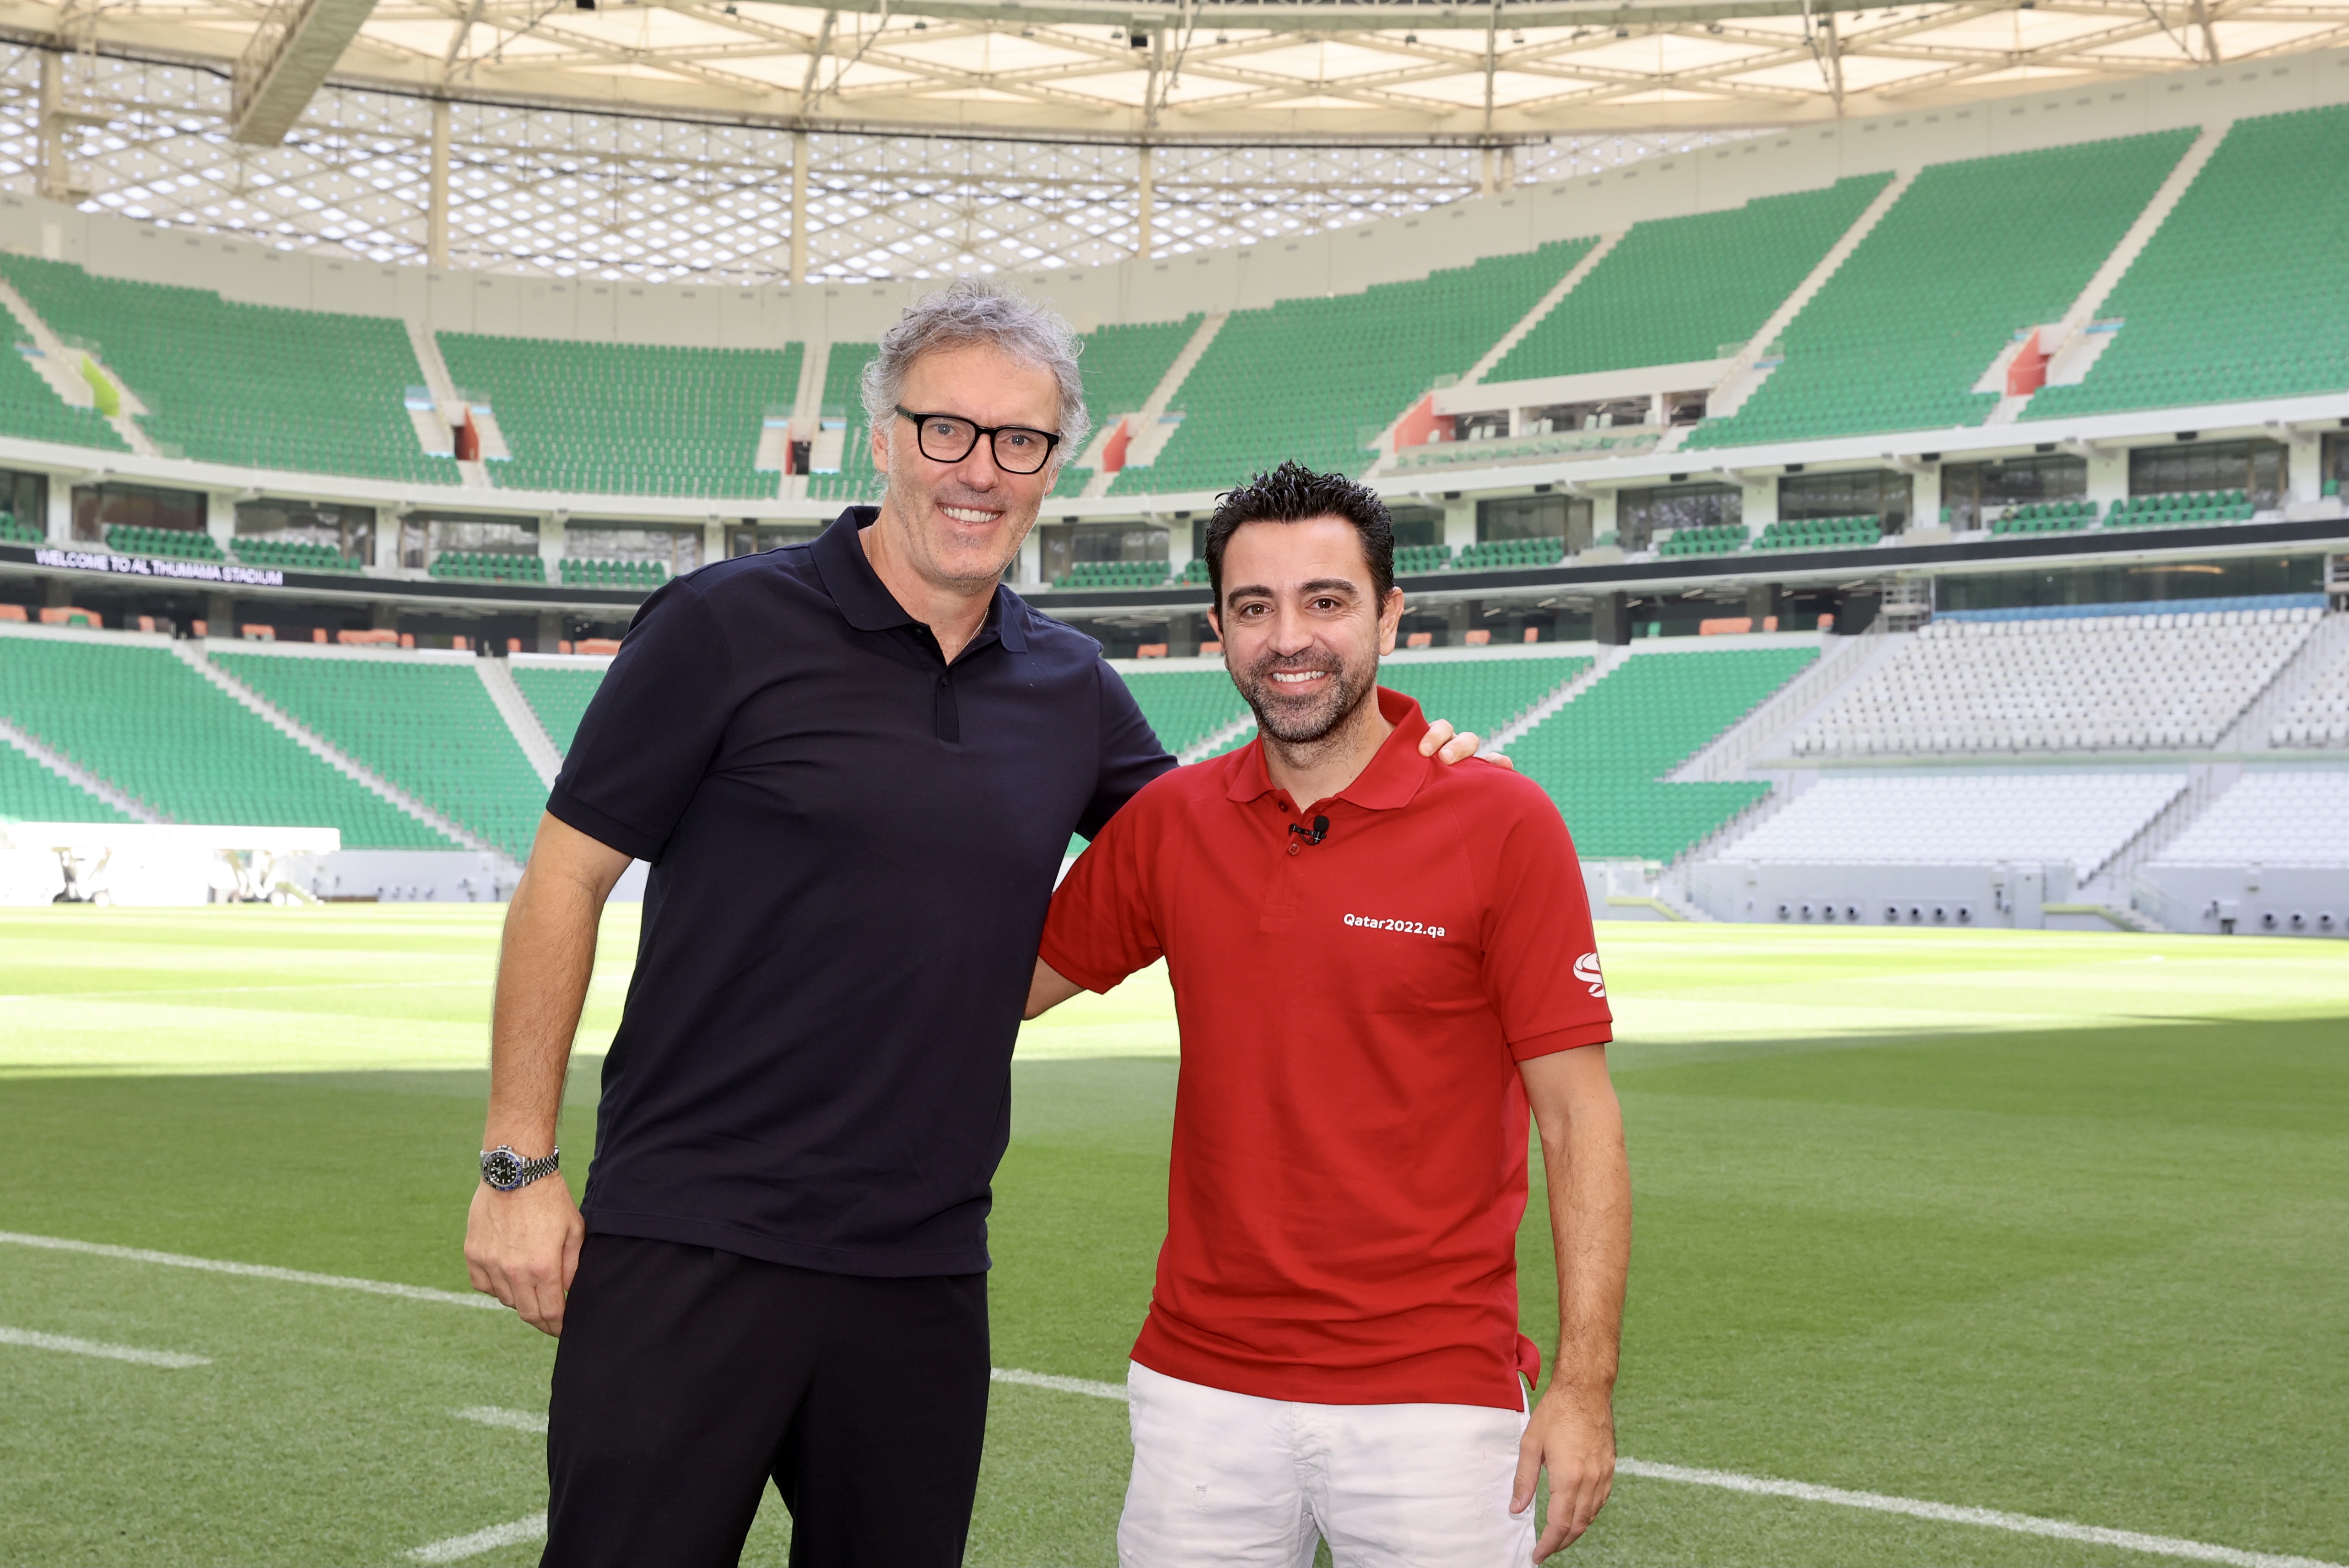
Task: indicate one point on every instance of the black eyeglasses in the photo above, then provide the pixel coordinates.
(949, 439)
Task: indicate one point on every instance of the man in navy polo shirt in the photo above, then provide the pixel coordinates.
(854, 766)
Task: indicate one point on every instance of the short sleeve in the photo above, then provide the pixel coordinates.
(645, 742)
(1131, 755)
(1102, 925)
(1541, 957)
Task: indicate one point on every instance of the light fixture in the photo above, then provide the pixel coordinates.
(920, 26)
(1516, 36)
(1622, 32)
(1407, 37)
(1713, 26)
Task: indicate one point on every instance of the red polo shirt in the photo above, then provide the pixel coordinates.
(1350, 1127)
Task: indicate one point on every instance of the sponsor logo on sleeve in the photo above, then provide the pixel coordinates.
(1586, 969)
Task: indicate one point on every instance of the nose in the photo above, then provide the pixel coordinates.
(1292, 633)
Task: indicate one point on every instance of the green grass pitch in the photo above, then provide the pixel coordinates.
(2050, 1224)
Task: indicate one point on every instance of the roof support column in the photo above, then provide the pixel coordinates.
(53, 127)
(798, 206)
(1142, 237)
(436, 197)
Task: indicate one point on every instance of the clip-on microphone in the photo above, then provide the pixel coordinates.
(1316, 833)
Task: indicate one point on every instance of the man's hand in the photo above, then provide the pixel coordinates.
(1571, 1435)
(1447, 747)
(522, 1247)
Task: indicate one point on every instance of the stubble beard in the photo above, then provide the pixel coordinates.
(1307, 726)
(942, 567)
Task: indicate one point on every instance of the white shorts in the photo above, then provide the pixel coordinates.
(1234, 1481)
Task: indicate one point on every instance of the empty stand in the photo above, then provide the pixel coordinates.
(292, 554)
(2048, 516)
(488, 566)
(1487, 555)
(559, 697)
(2150, 681)
(30, 407)
(2242, 292)
(1112, 575)
(1896, 338)
(1186, 707)
(428, 726)
(1820, 533)
(15, 530)
(1675, 290)
(1716, 539)
(844, 399)
(2079, 820)
(2320, 714)
(1306, 378)
(184, 543)
(627, 418)
(2188, 505)
(31, 793)
(137, 716)
(1123, 366)
(2291, 817)
(1603, 756)
(1482, 695)
(305, 390)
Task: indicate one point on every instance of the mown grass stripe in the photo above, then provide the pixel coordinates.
(72, 1346)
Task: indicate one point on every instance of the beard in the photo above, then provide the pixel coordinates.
(1303, 720)
(938, 557)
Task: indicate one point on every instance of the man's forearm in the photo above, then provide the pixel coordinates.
(545, 964)
(1590, 1182)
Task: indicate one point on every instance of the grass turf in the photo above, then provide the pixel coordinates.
(2043, 1222)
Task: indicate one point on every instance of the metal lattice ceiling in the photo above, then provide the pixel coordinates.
(1170, 70)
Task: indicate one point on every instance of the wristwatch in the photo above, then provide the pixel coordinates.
(504, 1170)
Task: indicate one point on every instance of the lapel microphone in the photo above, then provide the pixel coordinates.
(1316, 833)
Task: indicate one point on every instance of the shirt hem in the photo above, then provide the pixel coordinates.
(1297, 1385)
(865, 1263)
(1076, 970)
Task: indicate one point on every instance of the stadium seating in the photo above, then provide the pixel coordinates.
(140, 719)
(2079, 820)
(181, 544)
(1489, 555)
(292, 554)
(2158, 680)
(1482, 695)
(428, 726)
(559, 697)
(31, 793)
(1123, 366)
(2284, 817)
(1579, 443)
(1718, 539)
(2240, 292)
(2320, 714)
(30, 407)
(1186, 707)
(1410, 559)
(1680, 289)
(13, 531)
(1896, 338)
(488, 566)
(2191, 506)
(1113, 575)
(1195, 571)
(2048, 516)
(1305, 378)
(1603, 755)
(585, 572)
(844, 398)
(304, 390)
(627, 418)
(1820, 533)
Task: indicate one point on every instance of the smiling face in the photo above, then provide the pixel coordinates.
(1302, 624)
(960, 524)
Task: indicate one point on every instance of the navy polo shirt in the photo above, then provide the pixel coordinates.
(852, 846)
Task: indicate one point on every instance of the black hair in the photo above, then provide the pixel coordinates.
(1294, 493)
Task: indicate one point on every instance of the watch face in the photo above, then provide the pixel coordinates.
(502, 1167)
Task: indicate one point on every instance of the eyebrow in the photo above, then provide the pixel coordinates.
(1318, 586)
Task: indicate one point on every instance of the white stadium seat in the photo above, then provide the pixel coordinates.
(2081, 819)
(2289, 817)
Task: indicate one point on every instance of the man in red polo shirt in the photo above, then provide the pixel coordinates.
(1380, 967)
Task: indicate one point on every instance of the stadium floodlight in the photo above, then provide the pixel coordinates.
(296, 44)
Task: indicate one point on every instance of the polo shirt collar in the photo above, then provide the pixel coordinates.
(865, 602)
(1394, 775)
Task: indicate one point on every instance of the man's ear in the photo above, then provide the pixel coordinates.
(1389, 620)
(1215, 621)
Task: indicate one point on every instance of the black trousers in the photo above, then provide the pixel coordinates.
(686, 1377)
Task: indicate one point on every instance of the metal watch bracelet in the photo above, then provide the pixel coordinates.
(508, 1171)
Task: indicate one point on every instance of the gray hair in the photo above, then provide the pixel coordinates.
(972, 311)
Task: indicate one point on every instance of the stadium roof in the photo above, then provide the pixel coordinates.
(1175, 70)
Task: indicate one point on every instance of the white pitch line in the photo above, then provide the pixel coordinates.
(497, 1416)
(456, 1548)
(531, 1529)
(255, 1271)
(1058, 1384)
(1988, 1518)
(72, 1346)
